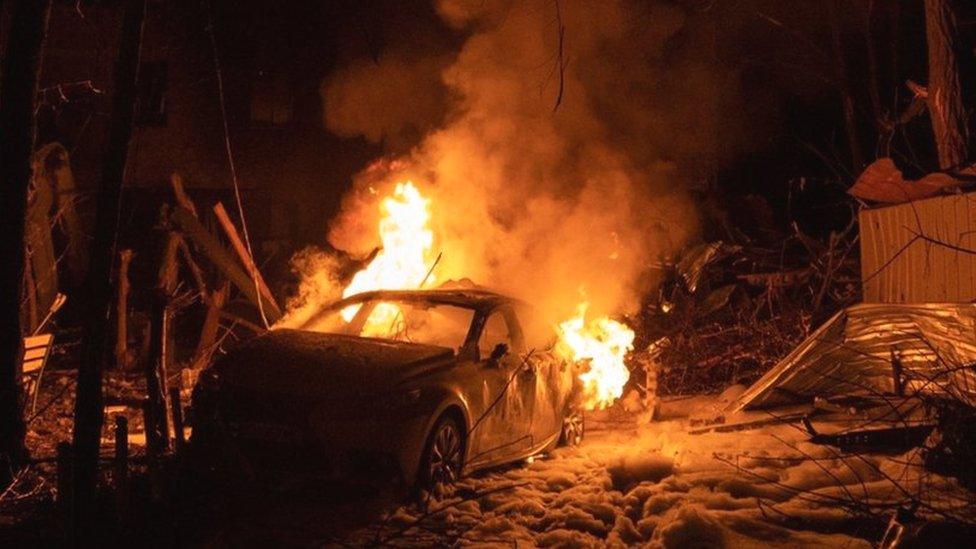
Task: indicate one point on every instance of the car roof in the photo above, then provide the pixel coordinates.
(475, 298)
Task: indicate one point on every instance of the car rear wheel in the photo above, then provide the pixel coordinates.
(573, 429)
(444, 453)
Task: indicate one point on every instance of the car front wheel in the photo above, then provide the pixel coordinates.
(443, 455)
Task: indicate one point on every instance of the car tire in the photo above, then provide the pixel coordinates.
(574, 427)
(443, 457)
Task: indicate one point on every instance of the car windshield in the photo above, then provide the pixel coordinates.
(414, 321)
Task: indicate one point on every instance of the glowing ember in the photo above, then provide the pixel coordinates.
(602, 343)
(402, 261)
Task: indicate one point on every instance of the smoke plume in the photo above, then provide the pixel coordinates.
(559, 145)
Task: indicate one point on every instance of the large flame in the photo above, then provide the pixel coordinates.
(402, 262)
(602, 343)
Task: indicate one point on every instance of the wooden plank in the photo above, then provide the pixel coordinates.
(181, 197)
(31, 366)
(41, 340)
(231, 231)
(194, 269)
(176, 409)
(35, 354)
(167, 277)
(220, 257)
(36, 350)
(211, 323)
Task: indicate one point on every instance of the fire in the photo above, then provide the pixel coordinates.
(603, 343)
(402, 262)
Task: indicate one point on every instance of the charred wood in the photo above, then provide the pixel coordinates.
(176, 407)
(228, 266)
(211, 324)
(228, 226)
(194, 268)
(182, 199)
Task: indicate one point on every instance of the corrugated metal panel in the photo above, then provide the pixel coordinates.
(851, 353)
(899, 267)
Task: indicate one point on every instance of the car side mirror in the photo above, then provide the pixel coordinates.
(497, 353)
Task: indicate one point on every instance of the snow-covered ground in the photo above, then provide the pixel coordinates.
(657, 485)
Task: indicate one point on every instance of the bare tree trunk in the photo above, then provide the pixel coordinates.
(157, 428)
(21, 71)
(122, 311)
(945, 102)
(89, 407)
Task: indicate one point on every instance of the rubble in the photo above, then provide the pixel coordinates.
(854, 353)
(726, 314)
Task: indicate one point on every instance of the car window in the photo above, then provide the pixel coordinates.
(495, 332)
(415, 322)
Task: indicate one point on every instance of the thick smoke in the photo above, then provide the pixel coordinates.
(554, 168)
(400, 111)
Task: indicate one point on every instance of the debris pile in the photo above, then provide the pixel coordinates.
(727, 313)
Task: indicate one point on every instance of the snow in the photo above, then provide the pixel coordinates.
(657, 485)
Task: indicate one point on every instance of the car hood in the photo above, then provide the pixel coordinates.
(295, 362)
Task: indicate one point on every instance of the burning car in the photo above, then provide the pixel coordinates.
(426, 384)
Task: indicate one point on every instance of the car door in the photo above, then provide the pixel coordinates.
(553, 379)
(503, 430)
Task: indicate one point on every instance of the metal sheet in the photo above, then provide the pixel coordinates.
(852, 353)
(899, 267)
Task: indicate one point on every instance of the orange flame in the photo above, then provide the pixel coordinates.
(603, 343)
(401, 263)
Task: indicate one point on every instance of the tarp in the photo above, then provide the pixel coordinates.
(852, 354)
(883, 182)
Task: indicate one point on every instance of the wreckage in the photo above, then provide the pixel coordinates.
(874, 349)
(422, 385)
